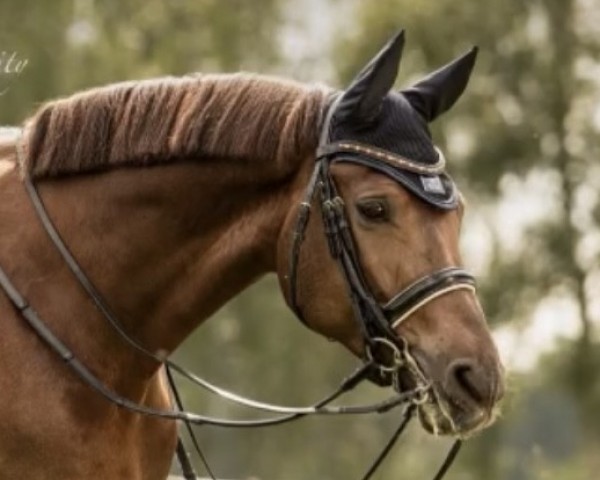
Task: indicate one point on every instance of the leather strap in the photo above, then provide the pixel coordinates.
(425, 290)
(377, 154)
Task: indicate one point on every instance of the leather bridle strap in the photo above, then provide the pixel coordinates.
(408, 414)
(341, 246)
(425, 290)
(185, 462)
(298, 238)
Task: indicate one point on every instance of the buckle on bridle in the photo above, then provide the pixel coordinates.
(396, 356)
(421, 395)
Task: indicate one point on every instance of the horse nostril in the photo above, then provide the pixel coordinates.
(469, 379)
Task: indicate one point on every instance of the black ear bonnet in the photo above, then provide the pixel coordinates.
(372, 125)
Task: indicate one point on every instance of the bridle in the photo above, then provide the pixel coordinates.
(385, 349)
(377, 322)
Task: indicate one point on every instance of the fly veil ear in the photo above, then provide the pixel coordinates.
(362, 99)
(437, 92)
(431, 97)
(372, 125)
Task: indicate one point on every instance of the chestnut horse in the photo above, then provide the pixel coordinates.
(174, 195)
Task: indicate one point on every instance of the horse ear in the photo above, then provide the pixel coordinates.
(362, 99)
(437, 92)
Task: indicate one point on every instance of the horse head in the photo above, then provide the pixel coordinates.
(376, 266)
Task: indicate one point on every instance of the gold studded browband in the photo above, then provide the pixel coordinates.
(398, 161)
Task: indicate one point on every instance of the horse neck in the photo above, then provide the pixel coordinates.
(167, 246)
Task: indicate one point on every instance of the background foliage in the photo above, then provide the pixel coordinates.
(523, 145)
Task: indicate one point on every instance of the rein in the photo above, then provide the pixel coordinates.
(377, 322)
(320, 408)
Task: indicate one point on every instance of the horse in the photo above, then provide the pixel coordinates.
(175, 194)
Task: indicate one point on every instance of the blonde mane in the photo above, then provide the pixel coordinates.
(237, 116)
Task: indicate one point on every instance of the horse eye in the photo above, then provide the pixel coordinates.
(373, 209)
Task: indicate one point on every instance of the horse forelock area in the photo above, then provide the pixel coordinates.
(240, 116)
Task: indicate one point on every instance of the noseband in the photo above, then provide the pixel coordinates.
(387, 350)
